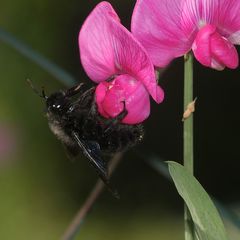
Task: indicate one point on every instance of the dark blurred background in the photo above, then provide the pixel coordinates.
(41, 189)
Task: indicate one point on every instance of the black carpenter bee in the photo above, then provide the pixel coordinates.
(73, 117)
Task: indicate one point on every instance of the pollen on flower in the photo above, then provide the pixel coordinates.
(110, 86)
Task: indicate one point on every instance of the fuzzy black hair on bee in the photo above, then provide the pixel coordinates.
(73, 117)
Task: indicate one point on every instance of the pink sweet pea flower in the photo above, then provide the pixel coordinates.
(171, 28)
(109, 51)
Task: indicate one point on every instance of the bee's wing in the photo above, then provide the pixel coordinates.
(92, 151)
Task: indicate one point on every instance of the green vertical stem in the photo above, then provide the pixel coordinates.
(188, 123)
(188, 137)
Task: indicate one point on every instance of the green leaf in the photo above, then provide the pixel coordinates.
(207, 222)
(159, 165)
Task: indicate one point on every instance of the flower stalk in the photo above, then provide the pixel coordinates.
(74, 227)
(188, 123)
(188, 136)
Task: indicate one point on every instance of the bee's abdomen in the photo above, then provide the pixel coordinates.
(122, 138)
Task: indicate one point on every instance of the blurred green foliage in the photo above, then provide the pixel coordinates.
(40, 188)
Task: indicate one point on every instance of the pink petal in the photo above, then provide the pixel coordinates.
(137, 99)
(201, 45)
(234, 38)
(107, 49)
(213, 50)
(208, 11)
(224, 14)
(223, 51)
(100, 94)
(95, 43)
(228, 19)
(166, 28)
(113, 102)
(123, 89)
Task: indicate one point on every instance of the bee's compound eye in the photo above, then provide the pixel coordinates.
(56, 106)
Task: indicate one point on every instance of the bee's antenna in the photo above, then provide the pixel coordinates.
(42, 94)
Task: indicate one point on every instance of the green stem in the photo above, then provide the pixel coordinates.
(188, 123)
(188, 136)
(75, 225)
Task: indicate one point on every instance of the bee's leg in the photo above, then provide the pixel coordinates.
(117, 119)
(74, 90)
(121, 115)
(111, 78)
(88, 94)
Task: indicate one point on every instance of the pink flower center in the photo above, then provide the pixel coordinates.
(124, 90)
(213, 50)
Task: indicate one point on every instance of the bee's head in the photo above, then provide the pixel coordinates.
(57, 102)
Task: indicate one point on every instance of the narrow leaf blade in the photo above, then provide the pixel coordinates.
(207, 222)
